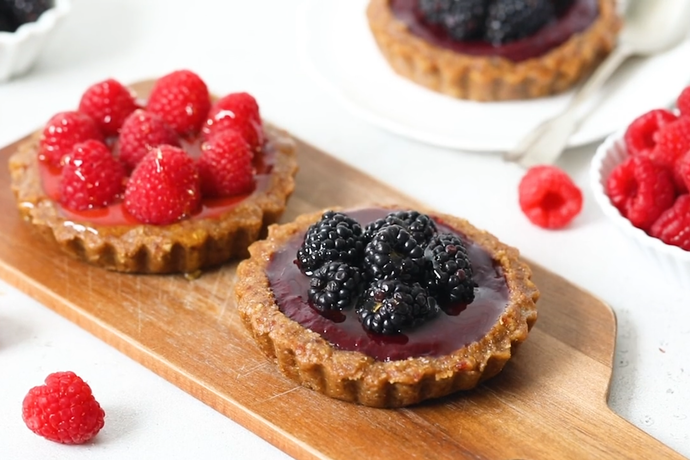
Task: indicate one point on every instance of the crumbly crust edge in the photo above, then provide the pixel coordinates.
(482, 78)
(186, 246)
(305, 357)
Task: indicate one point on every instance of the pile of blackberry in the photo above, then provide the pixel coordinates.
(14, 13)
(495, 21)
(396, 273)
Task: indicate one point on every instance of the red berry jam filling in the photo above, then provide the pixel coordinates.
(119, 160)
(454, 327)
(577, 18)
(116, 214)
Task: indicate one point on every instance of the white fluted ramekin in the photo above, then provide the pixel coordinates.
(672, 260)
(19, 49)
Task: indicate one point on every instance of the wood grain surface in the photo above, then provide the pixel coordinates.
(548, 403)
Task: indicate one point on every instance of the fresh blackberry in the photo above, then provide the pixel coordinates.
(6, 23)
(450, 278)
(561, 6)
(334, 286)
(394, 254)
(419, 225)
(14, 13)
(334, 237)
(462, 19)
(389, 306)
(509, 20)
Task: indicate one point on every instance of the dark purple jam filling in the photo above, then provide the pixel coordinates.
(575, 19)
(449, 331)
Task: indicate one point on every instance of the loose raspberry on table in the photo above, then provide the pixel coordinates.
(91, 177)
(641, 190)
(640, 137)
(140, 133)
(182, 100)
(673, 225)
(109, 103)
(681, 173)
(62, 132)
(237, 111)
(164, 187)
(683, 102)
(225, 165)
(548, 197)
(673, 141)
(63, 410)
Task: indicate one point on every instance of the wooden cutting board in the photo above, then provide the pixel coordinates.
(548, 403)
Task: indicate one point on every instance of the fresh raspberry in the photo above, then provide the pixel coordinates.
(91, 177)
(673, 226)
(63, 410)
(164, 187)
(225, 165)
(640, 137)
(548, 197)
(141, 132)
(681, 173)
(641, 190)
(109, 103)
(683, 102)
(237, 111)
(62, 132)
(182, 100)
(673, 141)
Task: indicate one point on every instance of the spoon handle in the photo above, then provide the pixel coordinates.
(548, 140)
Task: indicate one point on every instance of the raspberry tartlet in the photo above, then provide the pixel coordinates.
(174, 183)
(494, 50)
(385, 307)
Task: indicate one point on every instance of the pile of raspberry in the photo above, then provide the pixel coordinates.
(160, 157)
(650, 188)
(397, 272)
(63, 410)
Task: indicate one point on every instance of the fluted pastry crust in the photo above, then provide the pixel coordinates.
(307, 358)
(483, 78)
(185, 246)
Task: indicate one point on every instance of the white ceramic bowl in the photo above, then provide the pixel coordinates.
(19, 49)
(672, 260)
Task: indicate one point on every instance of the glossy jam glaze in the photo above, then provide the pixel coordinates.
(577, 18)
(117, 215)
(461, 325)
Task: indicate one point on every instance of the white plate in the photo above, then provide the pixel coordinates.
(340, 52)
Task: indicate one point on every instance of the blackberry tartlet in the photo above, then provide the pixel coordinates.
(354, 330)
(494, 50)
(174, 183)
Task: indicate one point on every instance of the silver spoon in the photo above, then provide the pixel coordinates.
(651, 26)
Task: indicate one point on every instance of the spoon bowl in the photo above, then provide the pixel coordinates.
(652, 26)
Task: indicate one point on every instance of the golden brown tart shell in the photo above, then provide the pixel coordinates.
(483, 78)
(186, 246)
(305, 357)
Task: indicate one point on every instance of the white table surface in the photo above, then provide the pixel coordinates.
(243, 45)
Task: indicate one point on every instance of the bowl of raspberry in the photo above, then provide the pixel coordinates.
(25, 26)
(641, 179)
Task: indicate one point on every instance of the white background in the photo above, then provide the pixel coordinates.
(252, 46)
